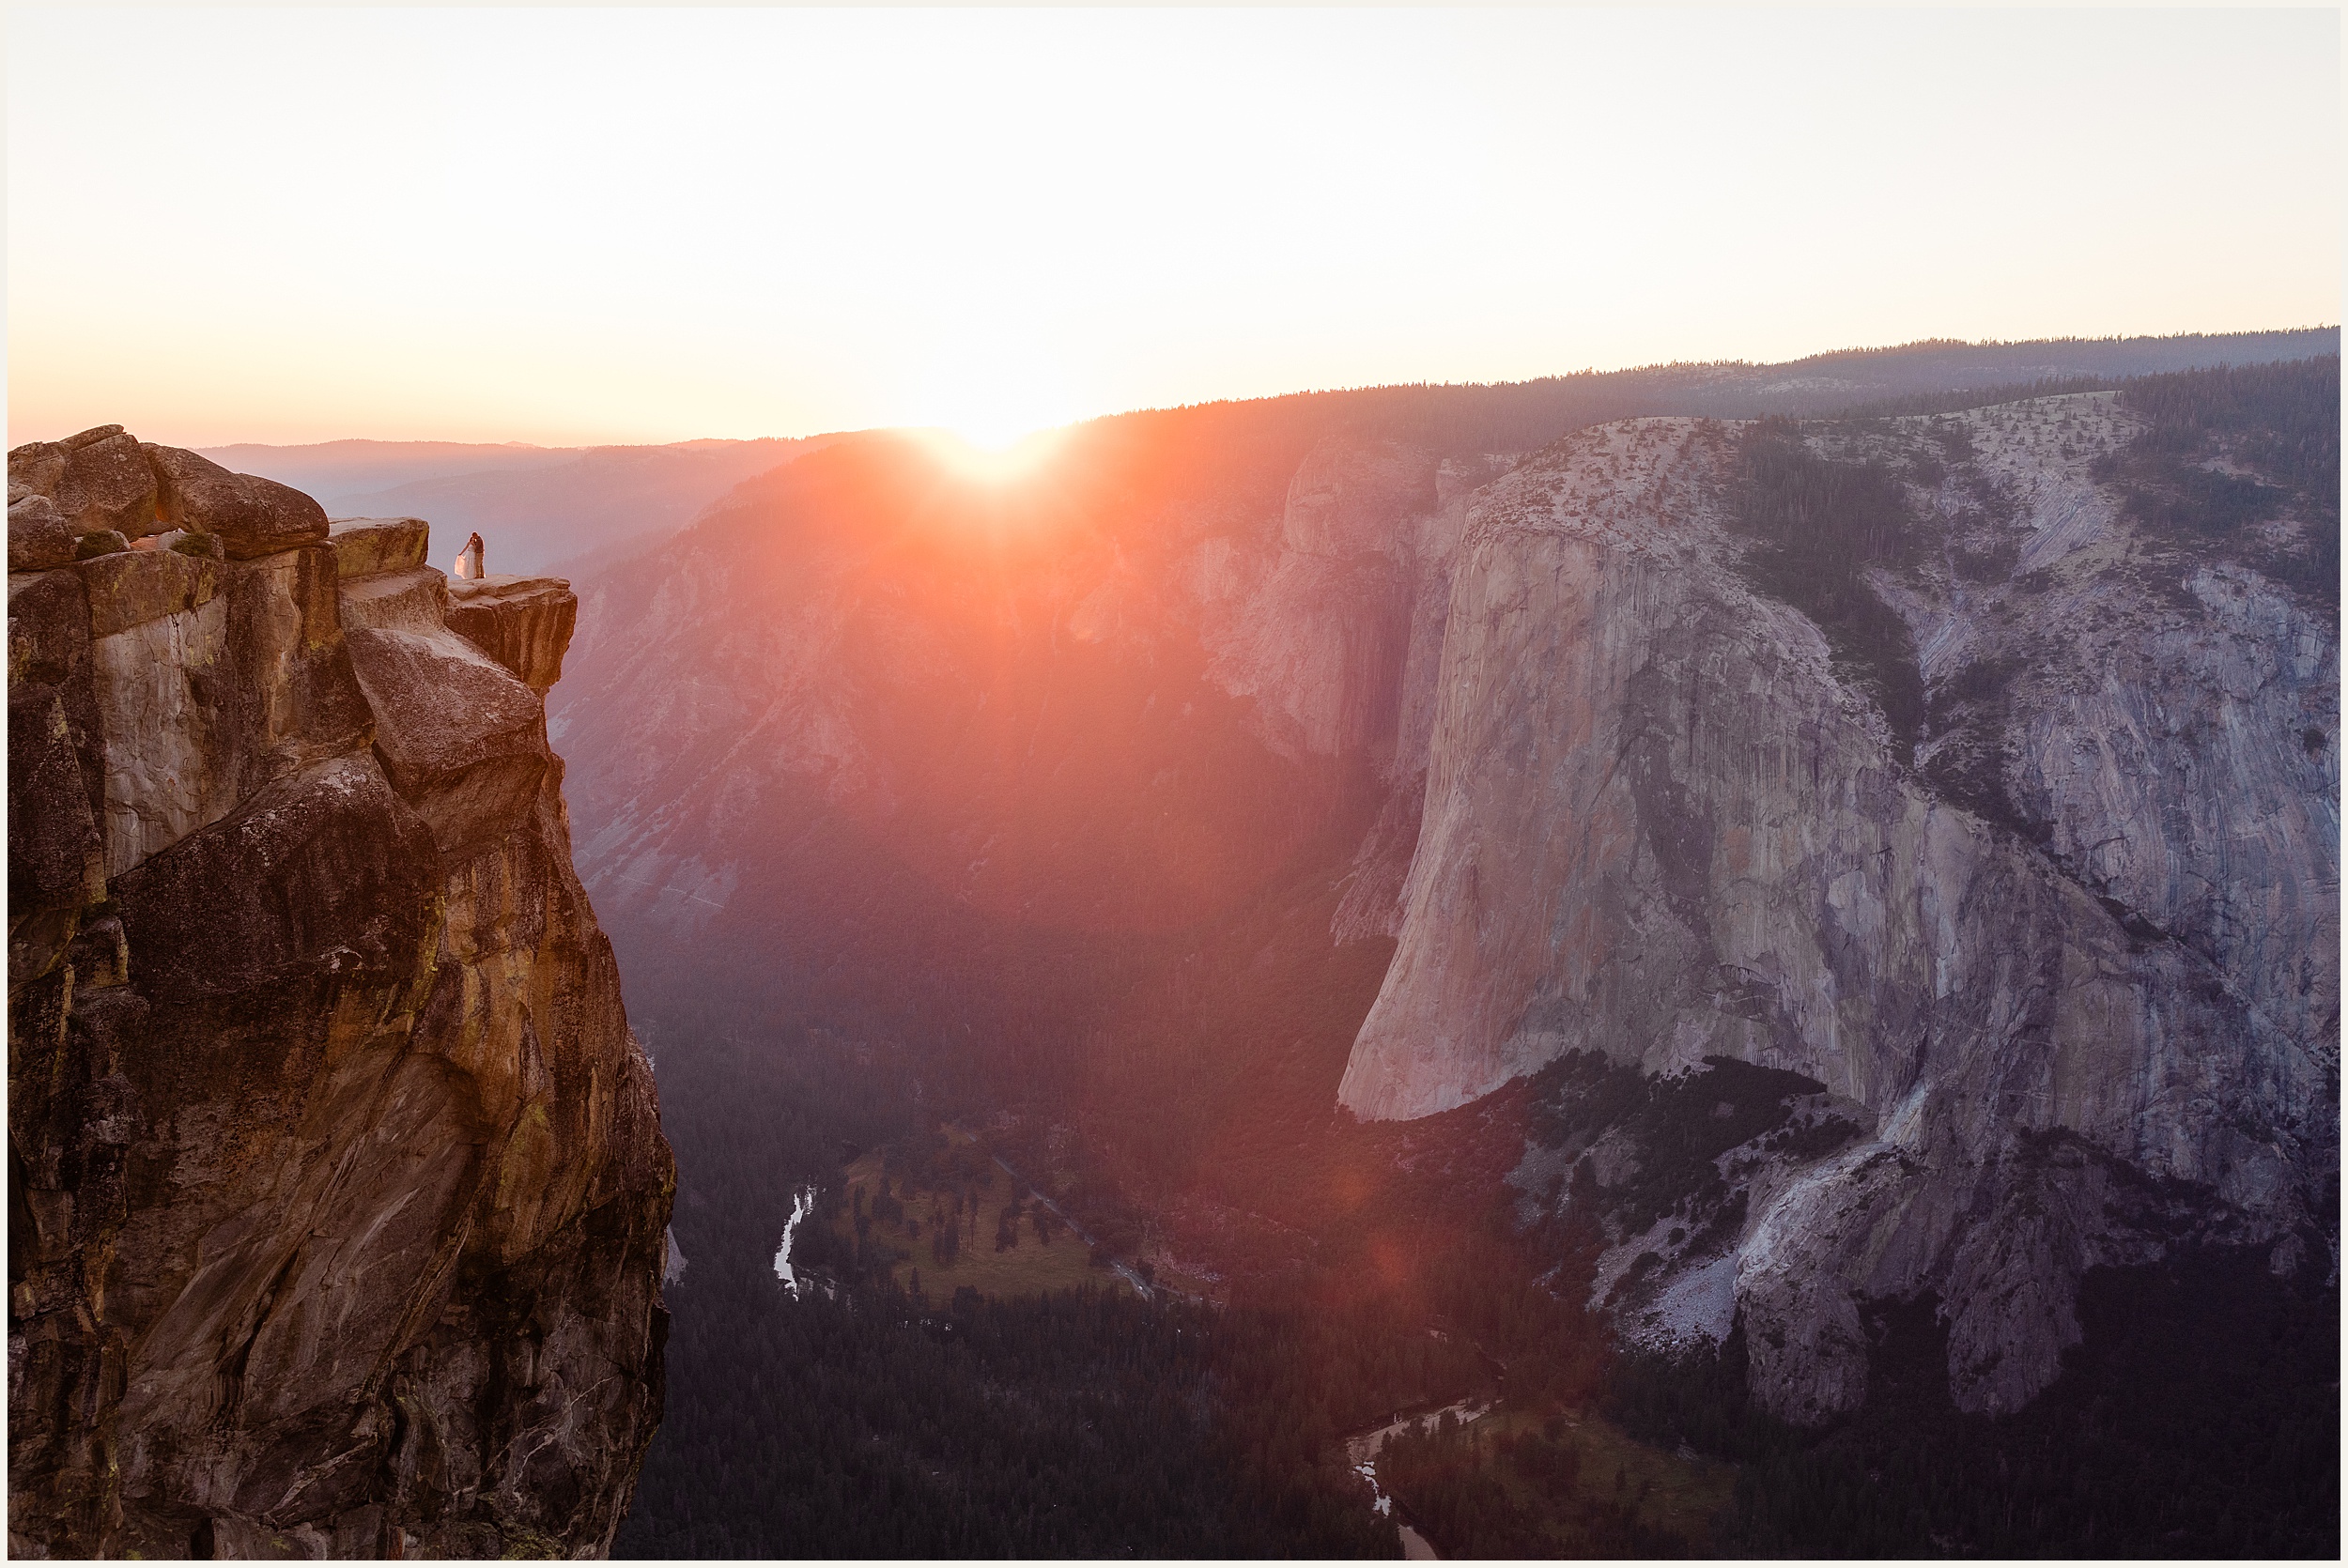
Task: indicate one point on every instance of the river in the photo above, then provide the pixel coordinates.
(802, 1204)
(1361, 1452)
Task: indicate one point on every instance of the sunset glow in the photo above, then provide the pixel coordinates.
(1268, 783)
(812, 220)
(993, 388)
(993, 461)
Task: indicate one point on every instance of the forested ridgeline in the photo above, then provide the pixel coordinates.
(2242, 463)
(1915, 378)
(2231, 462)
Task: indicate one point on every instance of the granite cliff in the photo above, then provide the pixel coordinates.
(337, 1181)
(2058, 961)
(1892, 859)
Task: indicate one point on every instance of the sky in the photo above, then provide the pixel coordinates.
(603, 225)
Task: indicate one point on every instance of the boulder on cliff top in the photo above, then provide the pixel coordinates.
(105, 482)
(38, 535)
(35, 468)
(365, 546)
(115, 488)
(99, 479)
(250, 515)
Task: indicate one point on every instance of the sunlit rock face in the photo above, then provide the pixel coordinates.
(2077, 965)
(337, 1186)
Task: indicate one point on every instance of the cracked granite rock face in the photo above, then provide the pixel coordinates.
(336, 1183)
(2076, 967)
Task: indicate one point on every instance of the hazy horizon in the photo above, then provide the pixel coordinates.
(487, 443)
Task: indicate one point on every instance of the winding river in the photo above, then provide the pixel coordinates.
(802, 1204)
(1361, 1452)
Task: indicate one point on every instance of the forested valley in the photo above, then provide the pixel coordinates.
(858, 1418)
(1016, 1145)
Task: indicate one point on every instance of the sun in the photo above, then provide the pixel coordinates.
(990, 408)
(997, 424)
(989, 463)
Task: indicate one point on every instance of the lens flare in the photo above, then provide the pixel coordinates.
(993, 461)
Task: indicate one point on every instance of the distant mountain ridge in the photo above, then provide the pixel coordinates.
(1465, 418)
(539, 507)
(546, 507)
(348, 466)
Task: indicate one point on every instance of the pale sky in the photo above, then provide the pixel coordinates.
(645, 226)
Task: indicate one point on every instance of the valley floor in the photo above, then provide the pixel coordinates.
(1026, 1403)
